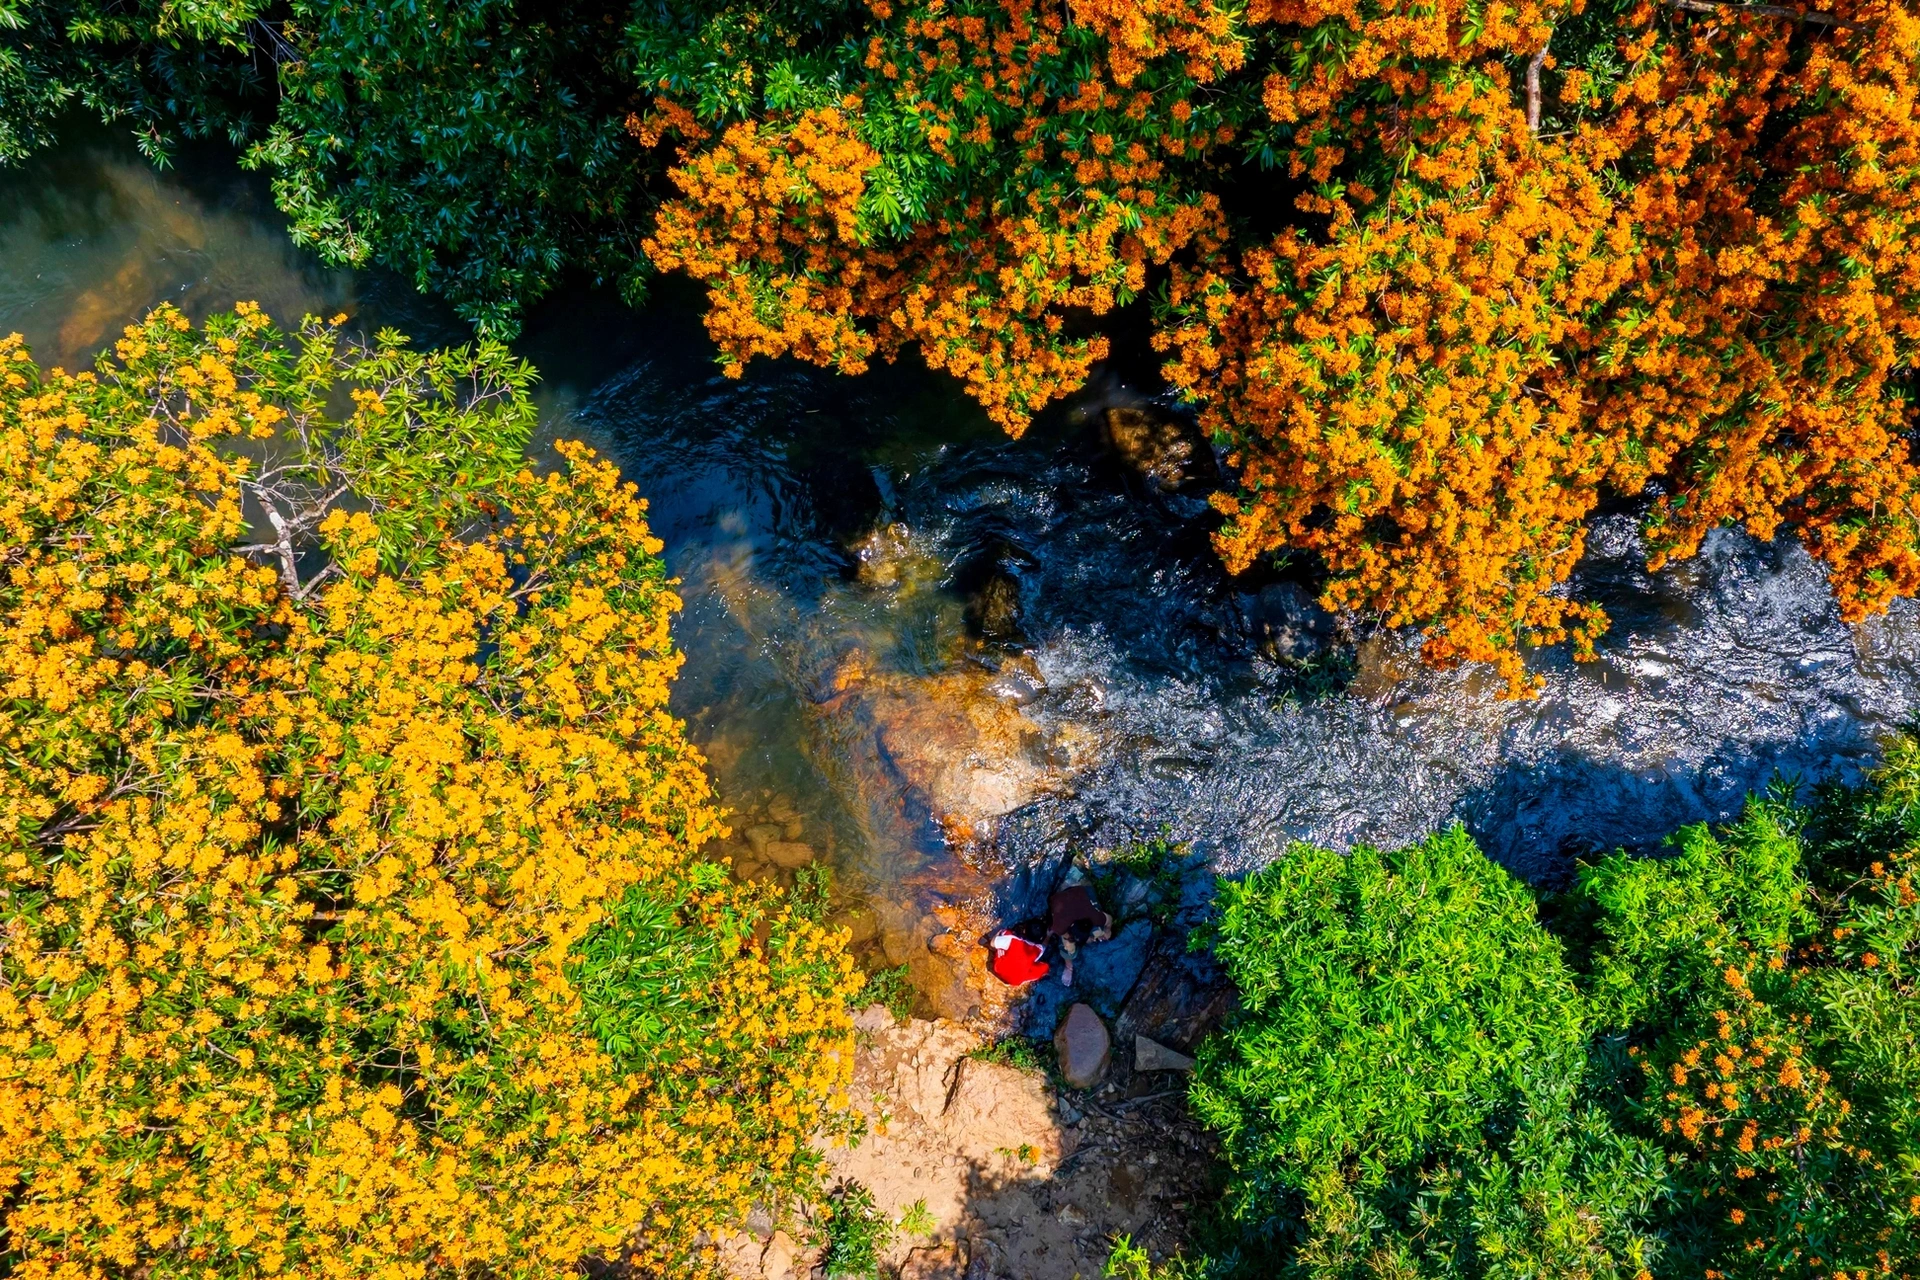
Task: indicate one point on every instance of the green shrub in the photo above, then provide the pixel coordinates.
(857, 1233)
(1394, 1002)
(1402, 1092)
(1724, 1081)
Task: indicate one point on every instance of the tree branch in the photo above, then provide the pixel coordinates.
(1534, 64)
(1765, 10)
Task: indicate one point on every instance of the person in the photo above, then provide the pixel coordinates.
(1016, 961)
(1075, 920)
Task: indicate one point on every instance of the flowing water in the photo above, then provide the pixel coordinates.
(939, 659)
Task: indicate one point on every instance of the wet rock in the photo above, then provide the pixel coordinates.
(781, 809)
(994, 609)
(1151, 1055)
(945, 742)
(1178, 998)
(759, 836)
(1104, 972)
(1084, 1047)
(861, 924)
(1164, 449)
(1287, 623)
(788, 854)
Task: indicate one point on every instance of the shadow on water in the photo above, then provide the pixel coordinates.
(936, 658)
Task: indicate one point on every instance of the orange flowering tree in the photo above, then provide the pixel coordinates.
(350, 917)
(1530, 254)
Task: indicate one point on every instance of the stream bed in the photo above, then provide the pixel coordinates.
(940, 660)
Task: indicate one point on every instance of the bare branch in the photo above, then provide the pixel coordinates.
(289, 567)
(1534, 64)
(1765, 10)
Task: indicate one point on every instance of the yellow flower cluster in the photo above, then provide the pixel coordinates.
(298, 896)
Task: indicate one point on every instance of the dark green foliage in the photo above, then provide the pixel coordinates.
(476, 145)
(167, 70)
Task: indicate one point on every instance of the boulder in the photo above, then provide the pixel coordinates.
(776, 1261)
(1084, 1047)
(1179, 996)
(1151, 1055)
(760, 836)
(789, 854)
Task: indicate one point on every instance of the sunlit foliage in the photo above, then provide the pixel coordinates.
(1440, 278)
(352, 924)
(1702, 1064)
(1403, 1093)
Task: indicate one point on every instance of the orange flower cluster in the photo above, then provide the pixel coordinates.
(1205, 34)
(767, 218)
(1394, 398)
(307, 893)
(1699, 275)
(1756, 363)
(984, 277)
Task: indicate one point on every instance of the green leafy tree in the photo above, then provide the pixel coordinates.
(476, 145)
(1771, 1008)
(1402, 1092)
(167, 70)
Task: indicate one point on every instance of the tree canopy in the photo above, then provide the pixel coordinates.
(1699, 1063)
(1440, 277)
(352, 918)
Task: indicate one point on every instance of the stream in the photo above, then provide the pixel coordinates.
(939, 660)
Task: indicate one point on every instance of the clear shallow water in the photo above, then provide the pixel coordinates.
(940, 658)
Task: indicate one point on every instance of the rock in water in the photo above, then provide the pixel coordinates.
(1158, 447)
(788, 854)
(1151, 1055)
(1084, 1047)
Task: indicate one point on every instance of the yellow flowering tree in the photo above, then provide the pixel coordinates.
(350, 917)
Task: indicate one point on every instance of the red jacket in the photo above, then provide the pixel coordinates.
(1015, 961)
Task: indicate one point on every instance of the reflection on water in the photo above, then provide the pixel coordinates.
(93, 237)
(936, 658)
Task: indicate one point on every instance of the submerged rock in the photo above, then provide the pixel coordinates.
(994, 609)
(1084, 1047)
(1161, 448)
(788, 854)
(1287, 623)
